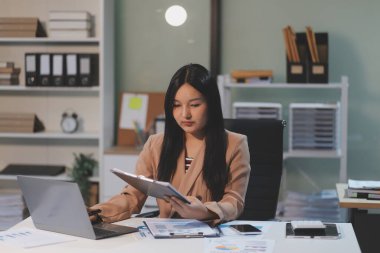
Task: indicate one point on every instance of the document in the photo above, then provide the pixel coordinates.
(180, 228)
(154, 188)
(29, 238)
(229, 244)
(134, 108)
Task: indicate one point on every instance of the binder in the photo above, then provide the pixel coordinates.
(71, 69)
(45, 70)
(58, 71)
(88, 69)
(31, 69)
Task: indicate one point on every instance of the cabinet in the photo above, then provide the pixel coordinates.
(226, 87)
(94, 105)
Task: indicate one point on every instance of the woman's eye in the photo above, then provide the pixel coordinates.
(195, 105)
(176, 105)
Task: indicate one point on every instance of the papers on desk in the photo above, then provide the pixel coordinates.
(179, 228)
(29, 238)
(228, 244)
(363, 184)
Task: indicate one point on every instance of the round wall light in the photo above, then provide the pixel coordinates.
(175, 15)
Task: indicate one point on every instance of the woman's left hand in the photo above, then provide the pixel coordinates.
(195, 210)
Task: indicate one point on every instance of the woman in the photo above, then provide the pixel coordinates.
(196, 155)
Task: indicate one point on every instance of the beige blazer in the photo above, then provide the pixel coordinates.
(130, 200)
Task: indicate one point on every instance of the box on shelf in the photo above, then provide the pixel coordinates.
(256, 110)
(307, 70)
(313, 126)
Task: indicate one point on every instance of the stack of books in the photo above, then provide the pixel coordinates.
(8, 73)
(313, 126)
(252, 76)
(256, 110)
(11, 208)
(21, 27)
(323, 205)
(363, 189)
(20, 123)
(71, 24)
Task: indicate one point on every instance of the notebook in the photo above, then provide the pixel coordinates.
(58, 206)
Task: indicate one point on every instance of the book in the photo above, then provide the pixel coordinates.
(21, 27)
(18, 20)
(179, 228)
(330, 232)
(69, 15)
(4, 70)
(70, 24)
(243, 74)
(18, 27)
(16, 34)
(154, 188)
(69, 33)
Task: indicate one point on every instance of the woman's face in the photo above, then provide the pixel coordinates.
(190, 110)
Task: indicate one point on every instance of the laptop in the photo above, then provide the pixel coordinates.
(58, 206)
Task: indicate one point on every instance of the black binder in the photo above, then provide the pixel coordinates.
(58, 69)
(71, 66)
(88, 69)
(45, 70)
(32, 68)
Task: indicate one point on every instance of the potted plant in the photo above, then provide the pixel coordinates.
(83, 168)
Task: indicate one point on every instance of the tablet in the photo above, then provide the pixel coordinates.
(154, 188)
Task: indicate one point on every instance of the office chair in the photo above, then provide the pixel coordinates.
(265, 141)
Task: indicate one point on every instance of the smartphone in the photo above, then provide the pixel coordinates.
(246, 229)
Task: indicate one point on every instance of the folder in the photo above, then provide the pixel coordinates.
(31, 69)
(45, 70)
(88, 69)
(58, 72)
(71, 69)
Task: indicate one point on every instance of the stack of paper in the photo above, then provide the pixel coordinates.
(322, 206)
(251, 110)
(21, 27)
(70, 24)
(11, 208)
(313, 126)
(363, 189)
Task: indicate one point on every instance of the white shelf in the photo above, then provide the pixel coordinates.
(59, 177)
(50, 135)
(285, 85)
(22, 88)
(312, 154)
(226, 85)
(47, 40)
(94, 105)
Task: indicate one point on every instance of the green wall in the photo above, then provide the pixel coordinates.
(149, 51)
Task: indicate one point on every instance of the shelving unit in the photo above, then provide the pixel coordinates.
(94, 105)
(226, 86)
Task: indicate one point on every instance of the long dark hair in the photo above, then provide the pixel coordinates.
(215, 172)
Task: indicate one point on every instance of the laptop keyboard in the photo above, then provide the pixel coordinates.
(103, 233)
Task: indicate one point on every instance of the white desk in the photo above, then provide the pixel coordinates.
(130, 243)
